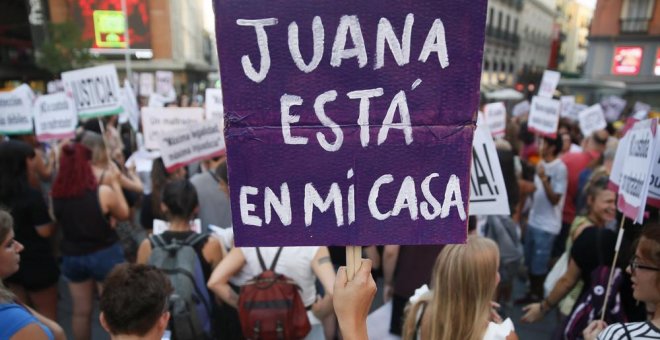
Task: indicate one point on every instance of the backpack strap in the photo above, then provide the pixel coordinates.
(272, 265)
(194, 239)
(157, 241)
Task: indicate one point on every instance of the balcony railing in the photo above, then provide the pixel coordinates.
(507, 38)
(635, 25)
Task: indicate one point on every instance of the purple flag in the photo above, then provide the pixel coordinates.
(349, 122)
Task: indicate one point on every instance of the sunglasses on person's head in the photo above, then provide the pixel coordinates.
(634, 265)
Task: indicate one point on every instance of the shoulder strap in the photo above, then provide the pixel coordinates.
(272, 265)
(213, 175)
(157, 241)
(194, 239)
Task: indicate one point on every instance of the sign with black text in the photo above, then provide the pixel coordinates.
(95, 90)
(55, 117)
(487, 190)
(190, 144)
(544, 116)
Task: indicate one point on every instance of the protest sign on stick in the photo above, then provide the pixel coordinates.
(16, 111)
(521, 108)
(95, 90)
(164, 83)
(488, 194)
(55, 117)
(544, 116)
(131, 106)
(156, 121)
(549, 83)
(495, 114)
(641, 110)
(566, 104)
(591, 120)
(613, 107)
(636, 170)
(191, 143)
(146, 84)
(349, 123)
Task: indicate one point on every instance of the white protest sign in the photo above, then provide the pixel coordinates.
(636, 170)
(54, 86)
(55, 117)
(654, 184)
(131, 106)
(592, 119)
(146, 84)
(521, 108)
(612, 107)
(95, 90)
(495, 114)
(214, 108)
(164, 82)
(156, 121)
(544, 116)
(641, 110)
(549, 83)
(617, 165)
(192, 143)
(566, 103)
(487, 190)
(16, 112)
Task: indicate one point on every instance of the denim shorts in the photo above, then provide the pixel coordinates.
(538, 248)
(94, 266)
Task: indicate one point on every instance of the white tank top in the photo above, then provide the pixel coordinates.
(294, 262)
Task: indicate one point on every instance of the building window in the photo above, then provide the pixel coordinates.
(515, 25)
(507, 22)
(490, 18)
(503, 66)
(499, 20)
(635, 15)
(486, 65)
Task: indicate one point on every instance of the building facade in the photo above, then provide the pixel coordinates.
(624, 47)
(574, 19)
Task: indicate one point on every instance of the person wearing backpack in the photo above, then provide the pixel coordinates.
(590, 260)
(188, 259)
(244, 267)
(645, 271)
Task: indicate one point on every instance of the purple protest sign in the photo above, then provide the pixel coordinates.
(349, 123)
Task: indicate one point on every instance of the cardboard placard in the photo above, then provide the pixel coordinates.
(164, 83)
(55, 117)
(191, 143)
(567, 103)
(156, 121)
(641, 110)
(146, 84)
(639, 158)
(549, 83)
(131, 106)
(495, 114)
(488, 194)
(95, 90)
(544, 116)
(591, 120)
(521, 108)
(613, 107)
(16, 111)
(213, 105)
(349, 123)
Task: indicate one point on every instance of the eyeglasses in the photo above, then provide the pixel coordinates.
(634, 266)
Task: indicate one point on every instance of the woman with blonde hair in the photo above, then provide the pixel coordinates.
(464, 281)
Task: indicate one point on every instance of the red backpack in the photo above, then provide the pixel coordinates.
(270, 307)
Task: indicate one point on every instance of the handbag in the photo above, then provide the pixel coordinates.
(555, 273)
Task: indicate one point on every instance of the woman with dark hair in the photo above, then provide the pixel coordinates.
(18, 321)
(89, 245)
(151, 203)
(35, 283)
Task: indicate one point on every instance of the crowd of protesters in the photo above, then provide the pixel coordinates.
(81, 211)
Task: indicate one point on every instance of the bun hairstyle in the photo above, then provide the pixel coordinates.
(180, 198)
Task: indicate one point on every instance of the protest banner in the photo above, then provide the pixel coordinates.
(495, 114)
(131, 106)
(146, 84)
(164, 83)
(544, 116)
(488, 194)
(54, 117)
(213, 105)
(16, 111)
(641, 110)
(156, 121)
(521, 108)
(340, 146)
(566, 104)
(591, 119)
(55, 86)
(95, 90)
(613, 107)
(549, 83)
(636, 170)
(191, 143)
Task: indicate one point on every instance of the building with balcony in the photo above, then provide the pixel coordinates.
(537, 25)
(624, 48)
(502, 42)
(574, 18)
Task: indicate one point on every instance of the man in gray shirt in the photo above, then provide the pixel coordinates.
(214, 207)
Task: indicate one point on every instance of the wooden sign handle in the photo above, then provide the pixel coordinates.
(353, 260)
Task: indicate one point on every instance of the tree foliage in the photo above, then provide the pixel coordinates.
(65, 49)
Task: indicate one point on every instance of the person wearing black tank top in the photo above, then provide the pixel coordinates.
(86, 213)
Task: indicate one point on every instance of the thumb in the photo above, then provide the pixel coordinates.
(342, 278)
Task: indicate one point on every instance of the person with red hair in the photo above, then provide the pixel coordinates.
(90, 246)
